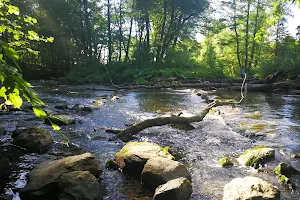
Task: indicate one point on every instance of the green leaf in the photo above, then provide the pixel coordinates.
(40, 113)
(15, 98)
(2, 93)
(55, 127)
(32, 35)
(13, 9)
(50, 39)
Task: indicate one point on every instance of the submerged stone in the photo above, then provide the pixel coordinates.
(60, 120)
(61, 106)
(255, 156)
(176, 189)
(225, 162)
(250, 188)
(134, 155)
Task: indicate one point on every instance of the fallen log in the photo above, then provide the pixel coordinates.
(190, 85)
(127, 134)
(286, 85)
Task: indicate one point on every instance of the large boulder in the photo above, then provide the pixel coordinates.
(33, 139)
(255, 156)
(79, 185)
(44, 181)
(176, 189)
(134, 155)
(160, 170)
(250, 188)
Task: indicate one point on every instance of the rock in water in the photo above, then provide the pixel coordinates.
(60, 120)
(44, 181)
(61, 106)
(33, 139)
(250, 188)
(4, 166)
(159, 170)
(256, 155)
(79, 185)
(134, 155)
(176, 189)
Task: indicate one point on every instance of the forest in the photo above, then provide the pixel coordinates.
(146, 41)
(149, 99)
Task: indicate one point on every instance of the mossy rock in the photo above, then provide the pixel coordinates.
(225, 162)
(111, 164)
(134, 155)
(285, 169)
(60, 120)
(255, 156)
(282, 179)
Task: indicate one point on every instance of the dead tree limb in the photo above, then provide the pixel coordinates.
(127, 133)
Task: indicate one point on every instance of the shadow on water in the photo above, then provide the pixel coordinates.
(222, 133)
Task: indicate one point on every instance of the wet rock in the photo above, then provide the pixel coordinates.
(225, 162)
(284, 180)
(2, 130)
(111, 164)
(282, 170)
(176, 189)
(60, 120)
(285, 169)
(4, 166)
(82, 108)
(250, 188)
(159, 170)
(34, 139)
(134, 155)
(44, 180)
(255, 156)
(79, 185)
(61, 106)
(292, 151)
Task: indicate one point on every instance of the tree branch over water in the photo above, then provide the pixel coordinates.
(127, 133)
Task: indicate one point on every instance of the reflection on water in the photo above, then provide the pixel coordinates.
(218, 135)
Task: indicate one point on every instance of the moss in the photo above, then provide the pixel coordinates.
(282, 179)
(254, 156)
(111, 164)
(225, 162)
(255, 115)
(285, 169)
(258, 127)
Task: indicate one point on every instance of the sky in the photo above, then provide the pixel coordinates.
(293, 22)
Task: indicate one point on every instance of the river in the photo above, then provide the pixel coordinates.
(272, 120)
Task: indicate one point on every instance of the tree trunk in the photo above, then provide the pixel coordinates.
(237, 36)
(247, 36)
(254, 35)
(88, 29)
(162, 33)
(109, 32)
(129, 40)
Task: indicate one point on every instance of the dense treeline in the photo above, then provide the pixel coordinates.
(142, 40)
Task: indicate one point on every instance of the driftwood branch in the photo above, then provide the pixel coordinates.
(127, 133)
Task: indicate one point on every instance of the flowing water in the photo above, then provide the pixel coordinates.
(272, 120)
